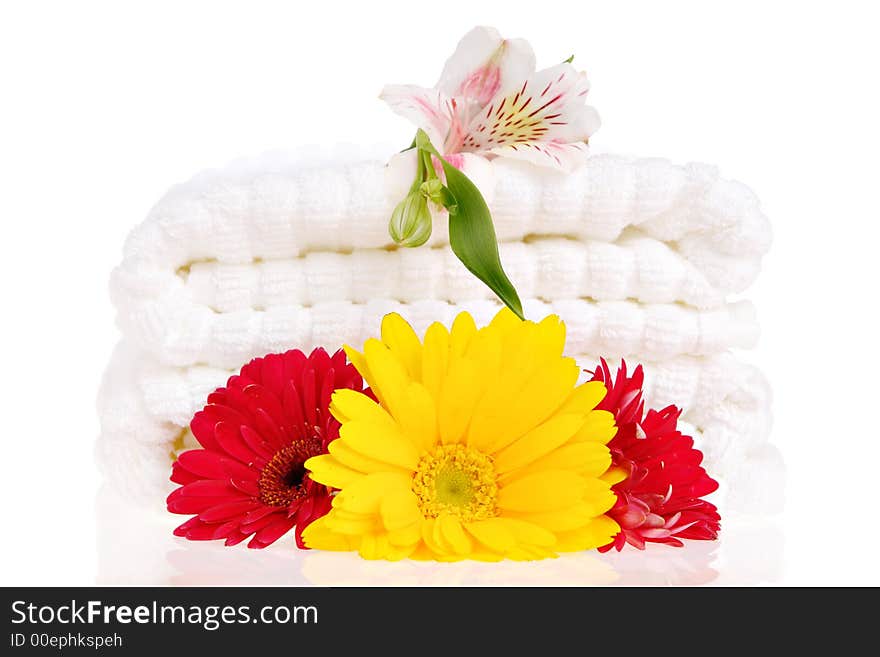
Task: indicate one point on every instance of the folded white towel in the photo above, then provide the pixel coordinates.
(633, 267)
(284, 206)
(146, 407)
(274, 252)
(178, 333)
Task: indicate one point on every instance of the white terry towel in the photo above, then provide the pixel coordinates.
(146, 408)
(180, 334)
(289, 205)
(637, 256)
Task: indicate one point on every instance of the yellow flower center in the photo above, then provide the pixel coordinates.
(457, 480)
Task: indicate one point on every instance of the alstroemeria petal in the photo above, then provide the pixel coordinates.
(549, 107)
(565, 157)
(429, 109)
(484, 65)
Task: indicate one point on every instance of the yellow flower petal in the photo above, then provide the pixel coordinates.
(365, 494)
(551, 337)
(460, 392)
(492, 415)
(320, 537)
(536, 402)
(538, 442)
(542, 491)
(391, 552)
(327, 470)
(597, 533)
(418, 417)
(407, 536)
(505, 321)
(345, 455)
(403, 343)
(463, 329)
(453, 534)
(432, 539)
(584, 398)
(396, 552)
(373, 547)
(560, 520)
(379, 443)
(352, 515)
(389, 375)
(598, 496)
(423, 553)
(399, 509)
(348, 405)
(494, 533)
(486, 354)
(350, 524)
(586, 459)
(446, 548)
(530, 533)
(530, 553)
(435, 358)
(614, 475)
(599, 427)
(360, 364)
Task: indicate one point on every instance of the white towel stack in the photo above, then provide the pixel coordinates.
(639, 257)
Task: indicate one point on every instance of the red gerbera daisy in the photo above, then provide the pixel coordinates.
(256, 433)
(662, 481)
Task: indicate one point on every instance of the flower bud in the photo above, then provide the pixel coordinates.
(410, 223)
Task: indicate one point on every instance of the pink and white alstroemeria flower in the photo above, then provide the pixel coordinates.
(490, 102)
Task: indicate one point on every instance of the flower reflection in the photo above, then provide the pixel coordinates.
(345, 569)
(136, 546)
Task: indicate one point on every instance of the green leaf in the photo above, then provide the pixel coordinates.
(472, 234)
(566, 61)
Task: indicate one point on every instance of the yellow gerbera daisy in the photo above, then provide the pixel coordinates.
(482, 446)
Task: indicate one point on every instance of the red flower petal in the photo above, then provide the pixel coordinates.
(203, 463)
(233, 469)
(248, 487)
(235, 539)
(262, 400)
(273, 431)
(187, 505)
(271, 533)
(253, 527)
(227, 510)
(255, 442)
(293, 408)
(230, 441)
(206, 488)
(660, 500)
(181, 475)
(273, 374)
(202, 426)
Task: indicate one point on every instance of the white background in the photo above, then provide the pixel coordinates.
(106, 104)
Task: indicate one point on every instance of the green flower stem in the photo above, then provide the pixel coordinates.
(471, 231)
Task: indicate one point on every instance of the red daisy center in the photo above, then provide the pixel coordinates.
(282, 480)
